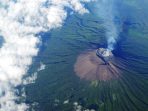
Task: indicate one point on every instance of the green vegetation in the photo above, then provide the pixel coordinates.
(58, 82)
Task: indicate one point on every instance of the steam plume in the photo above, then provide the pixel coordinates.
(20, 22)
(107, 11)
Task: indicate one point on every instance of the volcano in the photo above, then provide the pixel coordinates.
(96, 65)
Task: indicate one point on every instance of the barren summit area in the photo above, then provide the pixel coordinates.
(91, 67)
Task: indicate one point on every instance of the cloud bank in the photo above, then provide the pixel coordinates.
(20, 22)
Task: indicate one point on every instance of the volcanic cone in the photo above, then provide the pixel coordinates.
(89, 66)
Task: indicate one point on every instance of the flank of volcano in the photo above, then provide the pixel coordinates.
(96, 65)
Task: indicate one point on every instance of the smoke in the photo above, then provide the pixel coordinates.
(107, 12)
(20, 22)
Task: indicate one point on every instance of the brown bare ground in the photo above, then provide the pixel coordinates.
(90, 67)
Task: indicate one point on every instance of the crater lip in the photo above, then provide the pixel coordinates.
(104, 54)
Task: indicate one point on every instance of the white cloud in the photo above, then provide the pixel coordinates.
(20, 20)
(42, 67)
(31, 79)
(78, 107)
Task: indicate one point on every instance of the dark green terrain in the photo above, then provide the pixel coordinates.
(57, 88)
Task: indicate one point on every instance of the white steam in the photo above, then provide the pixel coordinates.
(107, 11)
(20, 21)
